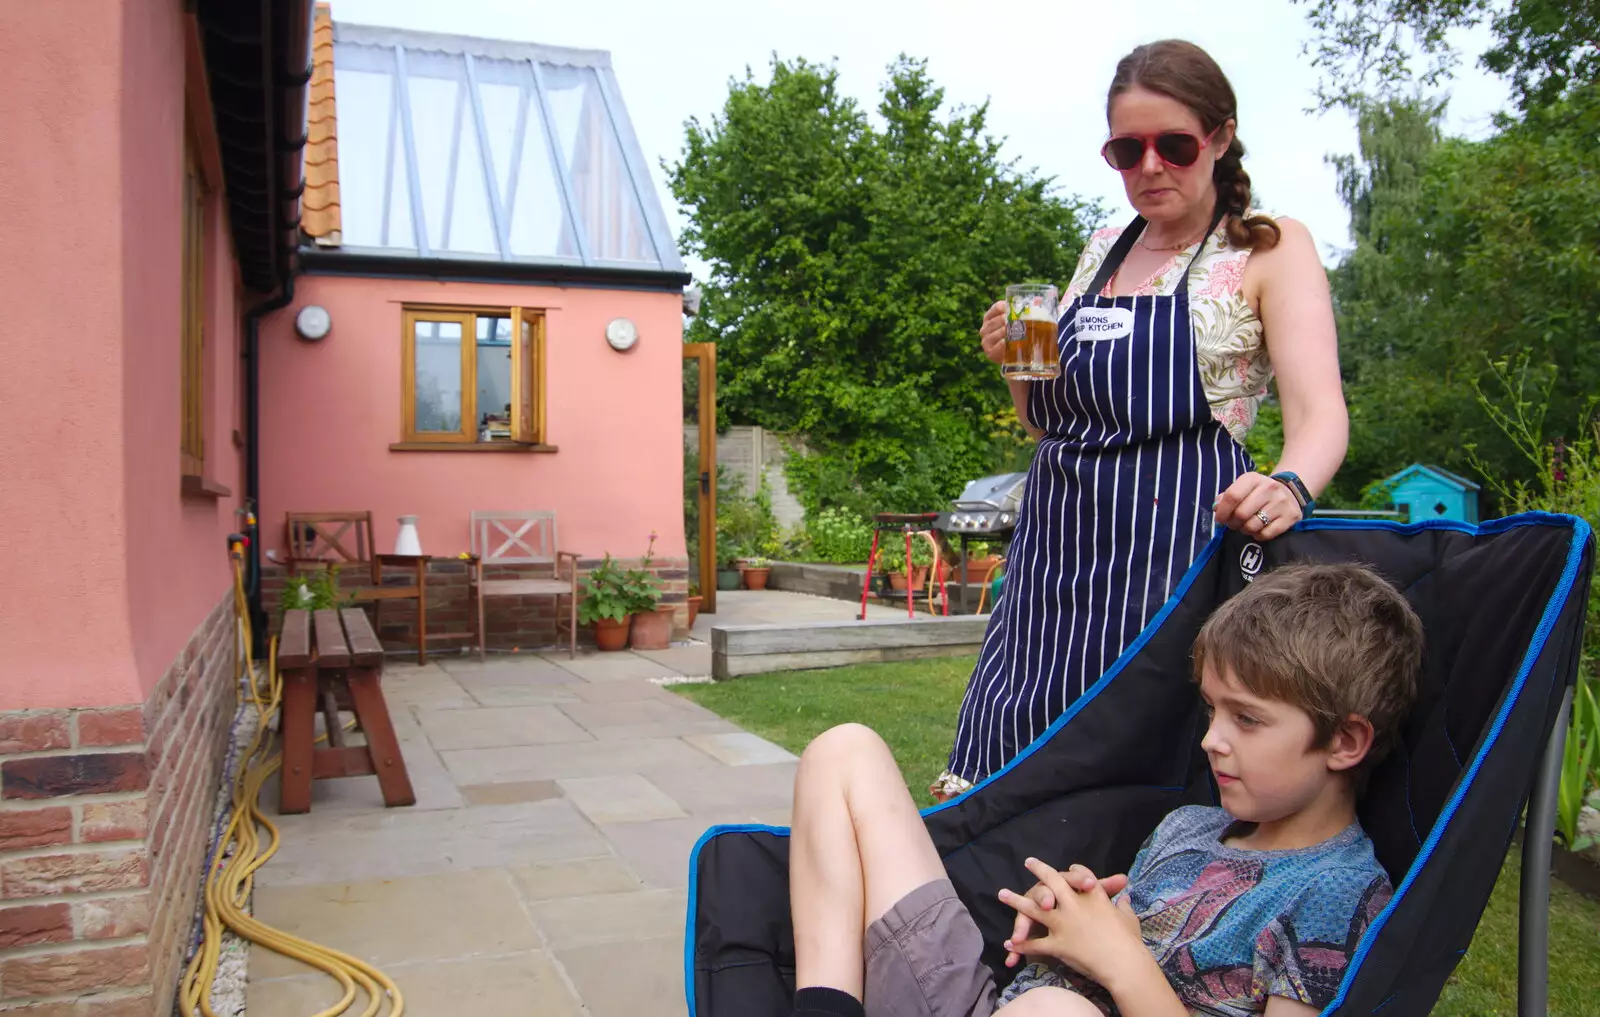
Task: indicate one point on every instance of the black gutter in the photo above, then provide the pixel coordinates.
(317, 261)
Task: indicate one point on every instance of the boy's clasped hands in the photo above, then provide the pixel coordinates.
(1070, 917)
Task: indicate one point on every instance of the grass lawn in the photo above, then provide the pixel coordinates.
(913, 705)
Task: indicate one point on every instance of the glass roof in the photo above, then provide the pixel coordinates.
(480, 148)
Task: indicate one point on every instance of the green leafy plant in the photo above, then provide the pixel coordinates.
(318, 591)
(1567, 481)
(605, 594)
(838, 535)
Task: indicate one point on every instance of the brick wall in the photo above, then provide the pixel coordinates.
(522, 623)
(105, 818)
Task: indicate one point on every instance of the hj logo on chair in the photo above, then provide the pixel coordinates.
(1250, 561)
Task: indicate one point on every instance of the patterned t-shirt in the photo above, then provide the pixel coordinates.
(1231, 927)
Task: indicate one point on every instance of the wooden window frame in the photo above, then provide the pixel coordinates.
(192, 443)
(528, 380)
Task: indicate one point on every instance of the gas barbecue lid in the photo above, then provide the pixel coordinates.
(1003, 491)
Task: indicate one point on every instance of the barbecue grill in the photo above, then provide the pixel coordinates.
(986, 508)
(988, 505)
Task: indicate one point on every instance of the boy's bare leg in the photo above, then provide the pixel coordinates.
(858, 846)
(1048, 1001)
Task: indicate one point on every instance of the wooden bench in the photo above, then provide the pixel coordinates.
(332, 660)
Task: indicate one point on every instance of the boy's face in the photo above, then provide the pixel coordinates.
(1260, 752)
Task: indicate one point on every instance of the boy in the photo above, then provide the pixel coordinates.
(1249, 908)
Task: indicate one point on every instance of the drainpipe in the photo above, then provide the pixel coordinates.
(252, 445)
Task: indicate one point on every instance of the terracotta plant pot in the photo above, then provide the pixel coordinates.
(652, 630)
(919, 576)
(756, 579)
(976, 568)
(611, 635)
(694, 608)
(898, 581)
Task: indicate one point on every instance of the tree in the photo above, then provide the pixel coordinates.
(1547, 48)
(850, 264)
(1467, 253)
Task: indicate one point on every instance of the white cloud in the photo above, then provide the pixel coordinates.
(1043, 67)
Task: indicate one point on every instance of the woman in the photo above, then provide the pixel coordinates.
(1165, 333)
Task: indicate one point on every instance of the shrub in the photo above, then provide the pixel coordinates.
(838, 535)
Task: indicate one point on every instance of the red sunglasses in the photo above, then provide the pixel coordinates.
(1176, 148)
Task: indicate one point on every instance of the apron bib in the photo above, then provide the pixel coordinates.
(1118, 503)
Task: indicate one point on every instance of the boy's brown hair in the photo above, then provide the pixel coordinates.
(1333, 640)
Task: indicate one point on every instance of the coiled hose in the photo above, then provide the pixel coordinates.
(240, 851)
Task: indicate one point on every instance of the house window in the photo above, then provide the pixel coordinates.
(193, 444)
(473, 376)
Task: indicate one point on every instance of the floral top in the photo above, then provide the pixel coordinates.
(1230, 344)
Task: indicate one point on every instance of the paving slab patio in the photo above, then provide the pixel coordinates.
(558, 800)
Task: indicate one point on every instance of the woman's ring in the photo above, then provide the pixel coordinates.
(1266, 520)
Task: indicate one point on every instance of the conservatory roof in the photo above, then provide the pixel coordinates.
(443, 147)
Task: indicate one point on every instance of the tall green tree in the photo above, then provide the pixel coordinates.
(1467, 253)
(1368, 49)
(851, 259)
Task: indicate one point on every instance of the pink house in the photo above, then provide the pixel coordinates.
(503, 306)
(178, 189)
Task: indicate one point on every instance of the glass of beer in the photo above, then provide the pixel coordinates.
(1031, 350)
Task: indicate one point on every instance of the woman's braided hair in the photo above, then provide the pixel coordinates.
(1185, 72)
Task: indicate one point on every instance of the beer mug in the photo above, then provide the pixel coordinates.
(1031, 350)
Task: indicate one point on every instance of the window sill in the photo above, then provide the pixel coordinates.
(461, 446)
(199, 487)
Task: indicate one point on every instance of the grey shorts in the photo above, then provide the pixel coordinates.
(924, 959)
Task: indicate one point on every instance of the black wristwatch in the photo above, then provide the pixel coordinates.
(1297, 487)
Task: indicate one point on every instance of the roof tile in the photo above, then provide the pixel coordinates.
(319, 215)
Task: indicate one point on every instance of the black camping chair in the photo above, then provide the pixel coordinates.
(1503, 605)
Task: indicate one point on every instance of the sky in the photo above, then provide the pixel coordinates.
(674, 61)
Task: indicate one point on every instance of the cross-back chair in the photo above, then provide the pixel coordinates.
(323, 539)
(523, 538)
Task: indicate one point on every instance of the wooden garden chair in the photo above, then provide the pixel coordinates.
(323, 539)
(523, 538)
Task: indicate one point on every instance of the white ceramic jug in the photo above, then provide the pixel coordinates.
(407, 542)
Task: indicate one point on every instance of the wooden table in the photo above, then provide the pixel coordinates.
(332, 660)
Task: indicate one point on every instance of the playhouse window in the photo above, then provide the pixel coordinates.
(473, 376)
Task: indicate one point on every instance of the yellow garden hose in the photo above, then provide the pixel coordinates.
(983, 590)
(240, 851)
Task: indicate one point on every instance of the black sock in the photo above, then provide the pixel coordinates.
(820, 1001)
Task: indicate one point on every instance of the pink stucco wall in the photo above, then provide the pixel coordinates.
(330, 411)
(106, 568)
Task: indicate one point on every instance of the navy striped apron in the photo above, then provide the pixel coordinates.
(1118, 503)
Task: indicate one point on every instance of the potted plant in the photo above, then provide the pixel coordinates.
(728, 552)
(922, 558)
(316, 592)
(695, 600)
(652, 620)
(607, 604)
(892, 560)
(981, 558)
(758, 570)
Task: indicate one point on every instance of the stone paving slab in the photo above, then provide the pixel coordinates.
(578, 759)
(613, 667)
(643, 718)
(617, 918)
(487, 729)
(692, 659)
(582, 877)
(511, 985)
(659, 851)
(467, 914)
(331, 848)
(511, 793)
(653, 986)
(761, 787)
(741, 749)
(429, 780)
(623, 798)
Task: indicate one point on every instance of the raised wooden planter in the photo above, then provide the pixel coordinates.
(757, 649)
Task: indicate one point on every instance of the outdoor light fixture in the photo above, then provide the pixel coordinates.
(621, 334)
(313, 322)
